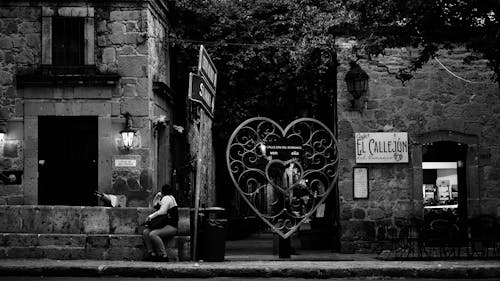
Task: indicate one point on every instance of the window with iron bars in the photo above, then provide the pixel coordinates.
(68, 42)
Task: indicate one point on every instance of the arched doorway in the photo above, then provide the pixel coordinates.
(445, 175)
(444, 187)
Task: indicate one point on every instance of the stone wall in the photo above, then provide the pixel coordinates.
(20, 49)
(77, 232)
(432, 101)
(130, 42)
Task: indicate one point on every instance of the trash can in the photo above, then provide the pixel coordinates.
(213, 234)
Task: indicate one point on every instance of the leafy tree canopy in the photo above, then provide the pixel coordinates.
(277, 58)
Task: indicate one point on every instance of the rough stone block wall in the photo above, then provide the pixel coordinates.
(20, 49)
(129, 41)
(433, 100)
(64, 232)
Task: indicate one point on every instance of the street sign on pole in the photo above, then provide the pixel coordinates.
(201, 93)
(207, 69)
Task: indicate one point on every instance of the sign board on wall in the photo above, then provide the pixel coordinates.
(126, 162)
(360, 187)
(381, 147)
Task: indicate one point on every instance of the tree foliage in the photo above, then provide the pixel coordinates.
(430, 25)
(277, 58)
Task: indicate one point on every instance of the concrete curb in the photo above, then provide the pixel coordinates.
(263, 269)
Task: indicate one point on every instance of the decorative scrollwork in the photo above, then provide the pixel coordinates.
(284, 175)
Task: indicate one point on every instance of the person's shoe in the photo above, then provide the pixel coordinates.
(150, 257)
(161, 259)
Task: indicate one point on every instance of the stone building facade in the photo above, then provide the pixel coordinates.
(69, 74)
(435, 109)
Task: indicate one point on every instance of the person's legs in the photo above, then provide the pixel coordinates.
(156, 236)
(149, 244)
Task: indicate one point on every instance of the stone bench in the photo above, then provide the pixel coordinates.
(78, 232)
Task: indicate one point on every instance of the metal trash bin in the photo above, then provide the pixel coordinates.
(213, 234)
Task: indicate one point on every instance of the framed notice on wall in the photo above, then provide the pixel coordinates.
(360, 183)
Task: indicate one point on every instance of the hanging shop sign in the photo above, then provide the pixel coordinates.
(199, 92)
(381, 147)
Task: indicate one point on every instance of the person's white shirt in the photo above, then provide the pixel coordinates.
(166, 202)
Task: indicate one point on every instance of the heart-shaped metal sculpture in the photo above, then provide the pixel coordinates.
(284, 175)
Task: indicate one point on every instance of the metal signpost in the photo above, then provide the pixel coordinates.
(284, 175)
(202, 91)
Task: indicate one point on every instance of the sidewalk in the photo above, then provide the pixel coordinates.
(253, 268)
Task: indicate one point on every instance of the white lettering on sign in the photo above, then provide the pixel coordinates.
(125, 162)
(201, 93)
(206, 95)
(207, 68)
(381, 147)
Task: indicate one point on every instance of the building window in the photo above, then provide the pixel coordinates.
(68, 41)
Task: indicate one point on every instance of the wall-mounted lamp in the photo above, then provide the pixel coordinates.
(159, 122)
(127, 133)
(3, 124)
(357, 81)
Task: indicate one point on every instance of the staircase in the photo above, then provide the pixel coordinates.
(78, 232)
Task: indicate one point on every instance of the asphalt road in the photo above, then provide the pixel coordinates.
(21, 278)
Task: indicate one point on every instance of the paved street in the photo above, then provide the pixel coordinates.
(256, 269)
(24, 278)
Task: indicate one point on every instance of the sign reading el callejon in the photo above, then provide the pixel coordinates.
(381, 147)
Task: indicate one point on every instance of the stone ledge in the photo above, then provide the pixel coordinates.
(79, 220)
(85, 246)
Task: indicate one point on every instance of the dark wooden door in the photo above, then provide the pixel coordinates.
(67, 160)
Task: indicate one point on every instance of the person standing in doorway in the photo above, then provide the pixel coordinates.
(161, 224)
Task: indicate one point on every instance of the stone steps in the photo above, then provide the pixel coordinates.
(67, 232)
(83, 246)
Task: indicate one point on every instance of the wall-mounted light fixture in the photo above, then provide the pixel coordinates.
(3, 124)
(159, 122)
(127, 133)
(357, 81)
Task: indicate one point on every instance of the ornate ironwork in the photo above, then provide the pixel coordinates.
(284, 175)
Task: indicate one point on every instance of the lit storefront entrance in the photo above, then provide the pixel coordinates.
(444, 186)
(67, 160)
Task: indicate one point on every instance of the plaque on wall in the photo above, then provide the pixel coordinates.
(360, 183)
(130, 163)
(126, 162)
